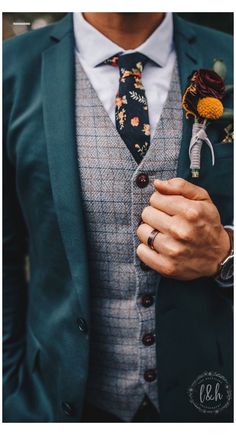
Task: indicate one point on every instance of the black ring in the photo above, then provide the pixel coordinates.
(151, 238)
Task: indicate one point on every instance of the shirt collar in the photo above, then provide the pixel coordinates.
(157, 47)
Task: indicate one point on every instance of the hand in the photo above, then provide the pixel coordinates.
(192, 241)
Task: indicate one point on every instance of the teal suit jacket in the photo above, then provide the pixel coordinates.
(46, 322)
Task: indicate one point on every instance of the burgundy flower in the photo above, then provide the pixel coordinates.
(208, 83)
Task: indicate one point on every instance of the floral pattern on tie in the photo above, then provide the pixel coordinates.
(131, 107)
(142, 149)
(121, 118)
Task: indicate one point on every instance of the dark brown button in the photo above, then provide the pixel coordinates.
(142, 180)
(150, 375)
(147, 301)
(67, 408)
(82, 325)
(148, 339)
(144, 267)
(144, 404)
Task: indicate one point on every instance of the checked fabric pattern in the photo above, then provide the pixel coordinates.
(112, 204)
(131, 107)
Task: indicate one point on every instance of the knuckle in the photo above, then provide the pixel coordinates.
(204, 192)
(145, 213)
(174, 251)
(179, 231)
(179, 182)
(186, 234)
(214, 213)
(193, 213)
(139, 250)
(138, 231)
(153, 198)
(170, 269)
(173, 228)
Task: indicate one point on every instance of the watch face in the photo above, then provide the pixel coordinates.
(227, 270)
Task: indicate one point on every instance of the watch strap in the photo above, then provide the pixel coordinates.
(218, 278)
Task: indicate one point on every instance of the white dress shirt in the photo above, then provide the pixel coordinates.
(92, 48)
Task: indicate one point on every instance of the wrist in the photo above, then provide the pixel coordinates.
(225, 268)
(226, 245)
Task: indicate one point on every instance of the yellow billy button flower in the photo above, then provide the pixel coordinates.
(210, 108)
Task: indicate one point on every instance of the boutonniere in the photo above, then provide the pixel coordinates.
(202, 99)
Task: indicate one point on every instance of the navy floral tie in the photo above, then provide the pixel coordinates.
(131, 111)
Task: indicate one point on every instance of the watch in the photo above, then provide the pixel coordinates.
(226, 267)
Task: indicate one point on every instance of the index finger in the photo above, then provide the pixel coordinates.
(179, 186)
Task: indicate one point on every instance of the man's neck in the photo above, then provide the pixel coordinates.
(128, 29)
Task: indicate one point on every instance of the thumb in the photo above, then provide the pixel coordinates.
(179, 186)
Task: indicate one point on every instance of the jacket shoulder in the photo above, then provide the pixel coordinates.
(212, 36)
(21, 47)
(210, 44)
(214, 44)
(203, 33)
(23, 51)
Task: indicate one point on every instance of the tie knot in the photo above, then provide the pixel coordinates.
(130, 64)
(134, 62)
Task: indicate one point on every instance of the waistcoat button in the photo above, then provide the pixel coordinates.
(82, 325)
(147, 301)
(142, 180)
(148, 339)
(150, 375)
(67, 408)
(144, 404)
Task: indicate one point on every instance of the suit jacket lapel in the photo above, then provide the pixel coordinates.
(58, 90)
(189, 59)
(58, 84)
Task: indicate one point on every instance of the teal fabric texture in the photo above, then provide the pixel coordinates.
(47, 319)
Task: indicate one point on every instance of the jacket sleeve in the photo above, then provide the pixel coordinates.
(14, 276)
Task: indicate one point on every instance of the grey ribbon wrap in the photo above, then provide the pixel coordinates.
(199, 136)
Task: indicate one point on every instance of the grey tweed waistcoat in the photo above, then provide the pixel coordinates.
(113, 203)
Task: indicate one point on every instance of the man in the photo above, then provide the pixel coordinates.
(122, 319)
